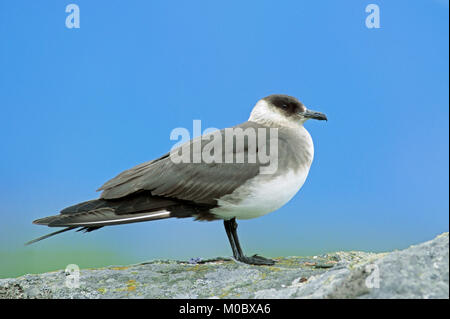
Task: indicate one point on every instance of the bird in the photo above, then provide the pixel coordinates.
(225, 188)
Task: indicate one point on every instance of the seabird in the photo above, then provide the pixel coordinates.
(209, 190)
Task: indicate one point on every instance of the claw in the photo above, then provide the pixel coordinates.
(256, 260)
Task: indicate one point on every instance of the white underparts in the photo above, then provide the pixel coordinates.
(261, 195)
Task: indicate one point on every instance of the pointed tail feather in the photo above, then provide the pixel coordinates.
(49, 235)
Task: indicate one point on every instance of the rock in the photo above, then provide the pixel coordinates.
(420, 271)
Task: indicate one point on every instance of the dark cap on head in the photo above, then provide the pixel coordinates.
(290, 106)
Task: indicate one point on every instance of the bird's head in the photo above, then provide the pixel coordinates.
(282, 109)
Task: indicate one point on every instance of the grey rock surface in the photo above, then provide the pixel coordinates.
(420, 271)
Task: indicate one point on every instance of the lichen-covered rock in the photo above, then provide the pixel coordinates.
(420, 271)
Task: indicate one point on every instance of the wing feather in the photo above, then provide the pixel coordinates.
(195, 182)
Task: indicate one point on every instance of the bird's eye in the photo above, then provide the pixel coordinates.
(284, 106)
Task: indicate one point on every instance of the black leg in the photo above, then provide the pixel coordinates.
(228, 228)
(231, 229)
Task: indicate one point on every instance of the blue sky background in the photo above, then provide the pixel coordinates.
(79, 106)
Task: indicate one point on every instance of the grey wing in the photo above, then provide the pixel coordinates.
(197, 182)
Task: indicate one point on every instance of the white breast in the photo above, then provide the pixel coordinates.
(260, 196)
(264, 193)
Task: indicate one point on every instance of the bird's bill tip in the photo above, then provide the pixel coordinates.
(310, 114)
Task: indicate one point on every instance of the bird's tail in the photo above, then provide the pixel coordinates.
(100, 217)
(94, 214)
(93, 220)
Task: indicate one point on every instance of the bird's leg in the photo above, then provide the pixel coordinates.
(231, 229)
(228, 229)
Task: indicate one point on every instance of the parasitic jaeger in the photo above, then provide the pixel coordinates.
(209, 190)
